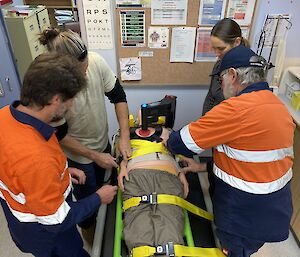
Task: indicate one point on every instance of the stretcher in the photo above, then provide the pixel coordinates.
(198, 233)
(108, 236)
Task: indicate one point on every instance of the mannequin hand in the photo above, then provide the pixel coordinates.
(123, 173)
(185, 184)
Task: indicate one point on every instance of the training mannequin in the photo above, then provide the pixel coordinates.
(153, 172)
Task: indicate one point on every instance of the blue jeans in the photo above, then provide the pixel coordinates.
(238, 246)
(94, 180)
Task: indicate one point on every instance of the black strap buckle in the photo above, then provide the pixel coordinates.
(167, 249)
(152, 198)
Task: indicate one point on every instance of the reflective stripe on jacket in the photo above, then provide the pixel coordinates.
(34, 177)
(253, 139)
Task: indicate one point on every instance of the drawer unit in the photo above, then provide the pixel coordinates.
(23, 32)
(43, 19)
(31, 27)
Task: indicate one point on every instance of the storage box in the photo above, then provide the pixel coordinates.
(291, 88)
(295, 101)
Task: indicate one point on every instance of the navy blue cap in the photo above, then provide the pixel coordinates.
(240, 56)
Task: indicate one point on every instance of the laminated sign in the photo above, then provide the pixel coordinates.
(97, 17)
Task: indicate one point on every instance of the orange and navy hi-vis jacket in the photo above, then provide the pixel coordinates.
(252, 136)
(34, 178)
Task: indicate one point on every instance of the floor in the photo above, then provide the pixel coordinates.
(288, 248)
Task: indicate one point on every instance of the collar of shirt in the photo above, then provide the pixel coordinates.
(42, 127)
(255, 87)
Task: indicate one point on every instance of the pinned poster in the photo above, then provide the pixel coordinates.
(204, 51)
(183, 44)
(241, 11)
(158, 37)
(131, 68)
(133, 3)
(169, 12)
(132, 24)
(211, 11)
(97, 18)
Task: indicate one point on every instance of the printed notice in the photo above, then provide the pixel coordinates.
(146, 54)
(204, 51)
(132, 28)
(165, 12)
(241, 11)
(158, 37)
(211, 11)
(97, 18)
(131, 68)
(133, 3)
(182, 44)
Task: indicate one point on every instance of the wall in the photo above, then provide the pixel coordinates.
(190, 99)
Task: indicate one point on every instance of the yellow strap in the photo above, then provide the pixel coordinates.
(180, 250)
(131, 202)
(143, 251)
(145, 147)
(170, 199)
(176, 200)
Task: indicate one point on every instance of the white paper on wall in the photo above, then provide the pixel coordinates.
(168, 12)
(183, 44)
(97, 18)
(131, 68)
(241, 11)
(158, 37)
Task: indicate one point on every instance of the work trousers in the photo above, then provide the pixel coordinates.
(44, 240)
(94, 180)
(238, 246)
(150, 225)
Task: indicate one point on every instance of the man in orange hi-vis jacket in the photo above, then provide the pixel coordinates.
(35, 181)
(252, 135)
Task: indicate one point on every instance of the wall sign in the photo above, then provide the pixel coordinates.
(132, 24)
(97, 17)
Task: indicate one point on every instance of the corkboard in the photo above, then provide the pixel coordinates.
(157, 70)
